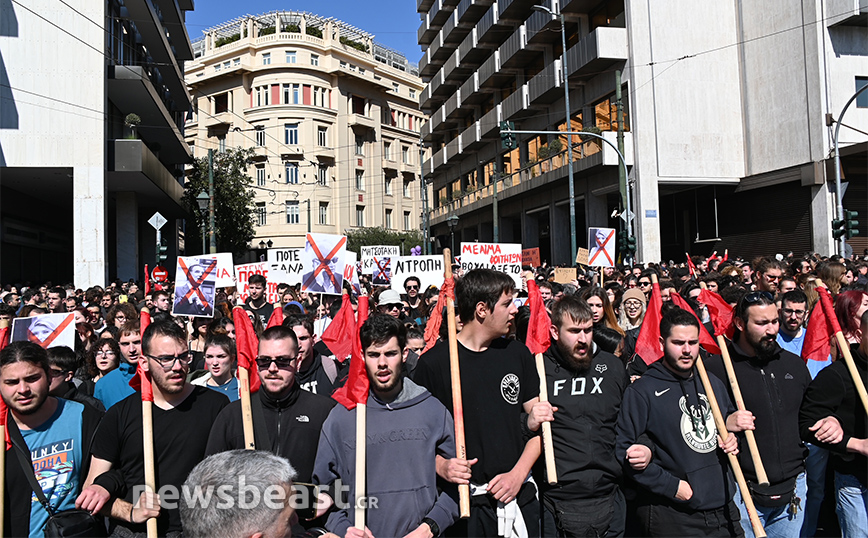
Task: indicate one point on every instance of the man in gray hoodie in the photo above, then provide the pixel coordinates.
(406, 429)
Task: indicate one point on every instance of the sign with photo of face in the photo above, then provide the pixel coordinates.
(195, 283)
(323, 261)
(46, 330)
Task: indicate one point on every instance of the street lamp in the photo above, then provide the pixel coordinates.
(203, 200)
(452, 222)
(568, 128)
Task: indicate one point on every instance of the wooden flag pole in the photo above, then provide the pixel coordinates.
(755, 522)
(4, 324)
(361, 453)
(455, 376)
(150, 468)
(761, 476)
(548, 447)
(246, 409)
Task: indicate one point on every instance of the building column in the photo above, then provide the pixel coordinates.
(127, 232)
(88, 224)
(822, 214)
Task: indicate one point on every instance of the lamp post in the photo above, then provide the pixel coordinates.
(203, 200)
(452, 221)
(568, 128)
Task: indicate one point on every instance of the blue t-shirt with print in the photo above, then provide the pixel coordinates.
(56, 453)
(230, 388)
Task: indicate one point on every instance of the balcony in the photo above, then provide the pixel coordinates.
(598, 51)
(173, 20)
(426, 33)
(488, 71)
(489, 29)
(423, 6)
(291, 153)
(516, 105)
(543, 28)
(324, 153)
(452, 107)
(471, 138)
(438, 14)
(133, 167)
(470, 93)
(490, 122)
(260, 154)
(513, 53)
(453, 148)
(546, 87)
(216, 121)
(469, 11)
(361, 121)
(389, 164)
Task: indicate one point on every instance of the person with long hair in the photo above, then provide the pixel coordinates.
(220, 360)
(222, 325)
(121, 313)
(849, 307)
(601, 308)
(831, 273)
(102, 358)
(633, 306)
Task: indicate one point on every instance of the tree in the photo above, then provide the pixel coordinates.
(356, 239)
(233, 201)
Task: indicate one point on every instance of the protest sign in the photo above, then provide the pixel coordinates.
(382, 273)
(46, 330)
(323, 262)
(582, 256)
(383, 251)
(530, 256)
(428, 269)
(351, 271)
(601, 247)
(504, 257)
(194, 287)
(565, 275)
(285, 265)
(243, 274)
(225, 272)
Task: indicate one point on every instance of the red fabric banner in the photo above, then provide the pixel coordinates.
(538, 334)
(355, 390)
(247, 346)
(648, 342)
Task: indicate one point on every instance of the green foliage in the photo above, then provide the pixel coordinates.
(555, 147)
(354, 44)
(444, 200)
(226, 40)
(268, 30)
(591, 129)
(292, 29)
(233, 201)
(360, 237)
(314, 31)
(132, 120)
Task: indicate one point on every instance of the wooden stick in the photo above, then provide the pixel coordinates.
(761, 476)
(755, 522)
(4, 324)
(548, 447)
(457, 401)
(361, 452)
(246, 409)
(150, 468)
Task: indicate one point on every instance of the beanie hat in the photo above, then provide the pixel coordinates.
(634, 293)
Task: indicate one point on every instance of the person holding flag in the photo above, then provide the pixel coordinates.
(406, 429)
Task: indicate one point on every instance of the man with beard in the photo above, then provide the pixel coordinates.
(773, 382)
(767, 274)
(406, 429)
(182, 419)
(56, 432)
(686, 489)
(585, 385)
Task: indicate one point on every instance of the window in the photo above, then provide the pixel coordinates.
(290, 56)
(236, 62)
(221, 103)
(406, 220)
(319, 96)
(260, 175)
(226, 64)
(387, 151)
(292, 212)
(412, 93)
(361, 70)
(322, 175)
(343, 64)
(266, 58)
(406, 189)
(388, 222)
(218, 67)
(290, 134)
(360, 215)
(291, 173)
(291, 94)
(323, 212)
(260, 213)
(405, 155)
(388, 186)
(360, 180)
(262, 96)
(862, 99)
(352, 68)
(360, 145)
(260, 136)
(221, 144)
(322, 136)
(314, 59)
(395, 87)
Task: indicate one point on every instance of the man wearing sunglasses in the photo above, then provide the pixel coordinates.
(773, 382)
(412, 287)
(182, 419)
(286, 419)
(768, 274)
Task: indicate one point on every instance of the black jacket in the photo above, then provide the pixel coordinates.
(292, 424)
(264, 312)
(833, 393)
(583, 432)
(75, 394)
(314, 377)
(772, 391)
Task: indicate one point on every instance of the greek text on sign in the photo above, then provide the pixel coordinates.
(383, 251)
(428, 269)
(601, 247)
(285, 265)
(504, 257)
(243, 274)
(351, 271)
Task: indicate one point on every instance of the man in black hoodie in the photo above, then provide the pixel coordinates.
(772, 382)
(686, 489)
(257, 301)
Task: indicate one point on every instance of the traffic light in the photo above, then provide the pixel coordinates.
(507, 140)
(838, 228)
(161, 252)
(851, 225)
(622, 241)
(631, 244)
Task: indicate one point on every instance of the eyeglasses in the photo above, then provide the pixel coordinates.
(284, 361)
(392, 306)
(57, 373)
(772, 277)
(644, 284)
(408, 288)
(168, 361)
(122, 318)
(789, 312)
(756, 296)
(104, 354)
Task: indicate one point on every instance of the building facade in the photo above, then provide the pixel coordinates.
(723, 117)
(332, 115)
(77, 184)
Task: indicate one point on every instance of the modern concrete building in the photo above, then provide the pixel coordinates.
(333, 117)
(725, 109)
(77, 185)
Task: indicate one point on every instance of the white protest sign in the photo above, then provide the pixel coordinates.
(225, 273)
(46, 330)
(351, 272)
(243, 274)
(323, 261)
(503, 257)
(194, 287)
(285, 265)
(369, 253)
(428, 269)
(601, 247)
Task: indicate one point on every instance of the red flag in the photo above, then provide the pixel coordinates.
(822, 326)
(690, 265)
(720, 312)
(144, 320)
(705, 339)
(648, 342)
(147, 281)
(4, 341)
(725, 256)
(355, 390)
(432, 327)
(247, 346)
(141, 382)
(538, 334)
(335, 335)
(276, 317)
(5, 333)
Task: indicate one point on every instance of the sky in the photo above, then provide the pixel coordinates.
(393, 22)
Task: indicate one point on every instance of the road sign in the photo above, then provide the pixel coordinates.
(157, 220)
(160, 273)
(627, 216)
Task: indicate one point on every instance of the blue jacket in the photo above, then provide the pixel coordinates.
(115, 385)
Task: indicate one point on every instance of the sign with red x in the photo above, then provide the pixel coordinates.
(47, 330)
(324, 260)
(382, 274)
(195, 287)
(601, 247)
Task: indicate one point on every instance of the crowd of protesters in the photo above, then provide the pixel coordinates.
(637, 452)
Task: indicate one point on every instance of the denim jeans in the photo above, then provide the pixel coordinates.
(851, 506)
(815, 467)
(776, 520)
